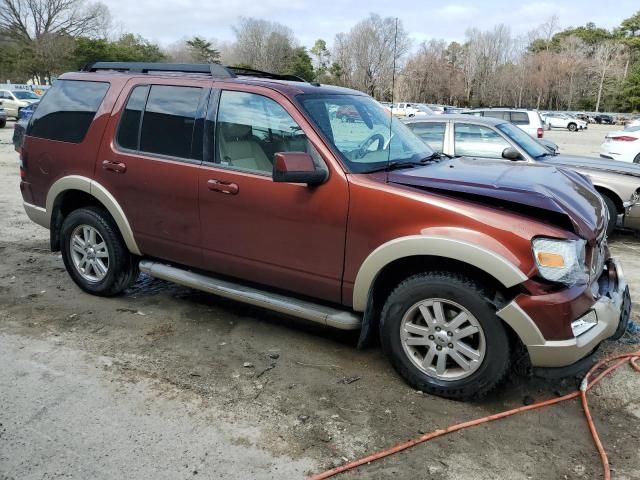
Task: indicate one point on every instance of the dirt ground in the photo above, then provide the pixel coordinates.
(153, 384)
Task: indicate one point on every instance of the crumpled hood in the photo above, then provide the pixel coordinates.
(543, 187)
(593, 163)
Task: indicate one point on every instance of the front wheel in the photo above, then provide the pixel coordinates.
(443, 336)
(613, 214)
(95, 254)
(572, 127)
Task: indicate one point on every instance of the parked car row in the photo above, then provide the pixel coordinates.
(496, 139)
(14, 100)
(328, 208)
(564, 121)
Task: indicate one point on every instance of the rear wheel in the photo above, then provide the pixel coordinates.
(637, 159)
(3, 123)
(95, 254)
(572, 127)
(443, 336)
(613, 213)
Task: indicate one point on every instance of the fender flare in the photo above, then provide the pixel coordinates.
(100, 193)
(486, 260)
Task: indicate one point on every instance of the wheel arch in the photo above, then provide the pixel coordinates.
(74, 191)
(615, 198)
(494, 265)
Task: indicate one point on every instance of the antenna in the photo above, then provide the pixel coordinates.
(393, 87)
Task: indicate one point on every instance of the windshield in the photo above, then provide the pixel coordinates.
(523, 139)
(25, 95)
(358, 128)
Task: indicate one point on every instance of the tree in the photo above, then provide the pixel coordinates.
(367, 53)
(321, 54)
(603, 58)
(203, 51)
(299, 64)
(262, 44)
(631, 90)
(128, 48)
(44, 31)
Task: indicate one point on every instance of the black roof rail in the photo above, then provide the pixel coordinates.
(213, 69)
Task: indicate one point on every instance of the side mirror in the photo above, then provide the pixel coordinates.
(511, 153)
(297, 167)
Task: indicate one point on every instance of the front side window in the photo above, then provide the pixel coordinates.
(369, 138)
(252, 128)
(478, 141)
(67, 109)
(523, 140)
(169, 120)
(430, 132)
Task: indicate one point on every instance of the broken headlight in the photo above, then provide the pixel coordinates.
(561, 260)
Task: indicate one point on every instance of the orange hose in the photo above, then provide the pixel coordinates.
(587, 384)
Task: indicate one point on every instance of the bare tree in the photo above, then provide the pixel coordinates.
(604, 57)
(367, 53)
(29, 20)
(263, 45)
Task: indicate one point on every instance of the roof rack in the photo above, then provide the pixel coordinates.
(213, 69)
(250, 72)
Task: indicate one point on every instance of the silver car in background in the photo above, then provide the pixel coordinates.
(456, 135)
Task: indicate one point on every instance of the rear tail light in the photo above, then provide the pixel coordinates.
(623, 138)
(540, 132)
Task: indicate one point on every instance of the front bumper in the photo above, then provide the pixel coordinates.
(612, 310)
(632, 216)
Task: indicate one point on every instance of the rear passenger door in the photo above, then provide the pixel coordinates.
(149, 161)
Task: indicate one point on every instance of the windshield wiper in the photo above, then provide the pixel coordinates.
(395, 165)
(435, 156)
(546, 154)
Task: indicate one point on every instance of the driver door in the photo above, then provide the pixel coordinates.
(284, 235)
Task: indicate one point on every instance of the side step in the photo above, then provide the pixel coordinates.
(322, 314)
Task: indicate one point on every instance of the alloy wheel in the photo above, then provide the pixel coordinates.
(442, 339)
(89, 253)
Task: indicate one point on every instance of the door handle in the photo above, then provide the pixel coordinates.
(223, 187)
(117, 167)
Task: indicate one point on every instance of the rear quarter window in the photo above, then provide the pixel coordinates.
(520, 118)
(66, 111)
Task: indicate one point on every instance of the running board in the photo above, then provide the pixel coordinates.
(331, 317)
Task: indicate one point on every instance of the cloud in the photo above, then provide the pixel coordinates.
(456, 12)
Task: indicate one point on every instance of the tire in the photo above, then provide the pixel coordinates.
(572, 127)
(637, 159)
(613, 213)
(490, 340)
(107, 275)
(3, 123)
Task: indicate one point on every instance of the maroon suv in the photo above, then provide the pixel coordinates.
(249, 186)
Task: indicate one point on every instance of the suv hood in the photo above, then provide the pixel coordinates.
(534, 187)
(593, 163)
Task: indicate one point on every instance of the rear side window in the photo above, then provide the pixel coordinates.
(520, 118)
(66, 111)
(431, 133)
(130, 123)
(165, 120)
(497, 114)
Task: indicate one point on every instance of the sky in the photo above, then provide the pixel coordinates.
(169, 22)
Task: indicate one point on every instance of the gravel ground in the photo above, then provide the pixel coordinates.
(586, 142)
(152, 384)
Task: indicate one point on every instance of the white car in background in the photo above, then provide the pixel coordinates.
(528, 121)
(623, 145)
(563, 120)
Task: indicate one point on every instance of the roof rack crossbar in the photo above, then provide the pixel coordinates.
(213, 69)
